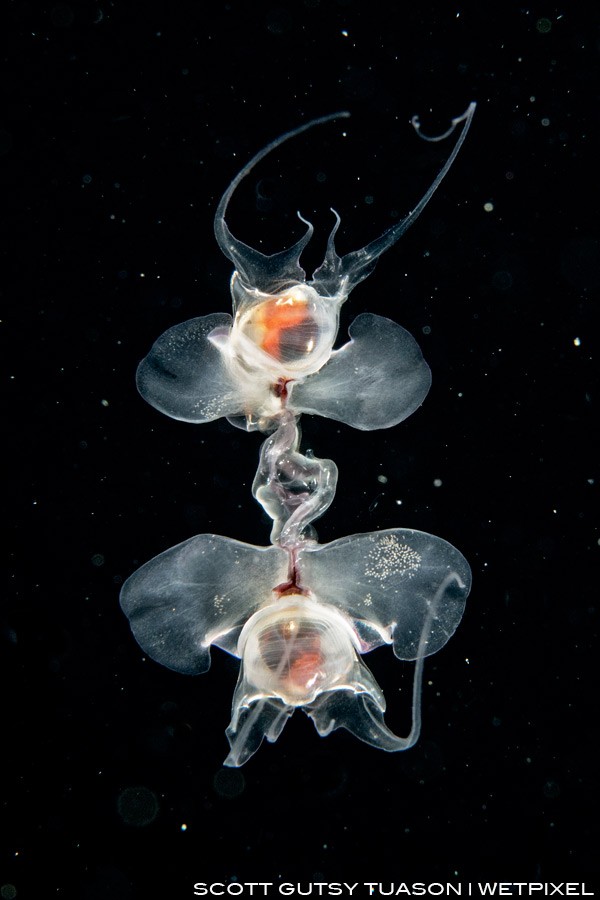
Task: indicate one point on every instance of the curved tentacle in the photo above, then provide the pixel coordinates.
(343, 273)
(257, 269)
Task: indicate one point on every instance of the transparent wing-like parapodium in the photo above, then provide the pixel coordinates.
(386, 582)
(199, 593)
(376, 380)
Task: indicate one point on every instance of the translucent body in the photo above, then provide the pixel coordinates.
(190, 375)
(293, 489)
(295, 650)
(300, 645)
(277, 352)
(298, 614)
(284, 335)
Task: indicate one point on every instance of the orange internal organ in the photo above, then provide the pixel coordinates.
(305, 668)
(276, 318)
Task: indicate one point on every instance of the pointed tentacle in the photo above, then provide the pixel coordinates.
(258, 269)
(349, 270)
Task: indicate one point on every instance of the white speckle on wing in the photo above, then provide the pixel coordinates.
(211, 408)
(389, 557)
(218, 602)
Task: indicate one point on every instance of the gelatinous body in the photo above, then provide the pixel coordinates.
(298, 614)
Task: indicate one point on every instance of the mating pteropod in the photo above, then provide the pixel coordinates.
(300, 615)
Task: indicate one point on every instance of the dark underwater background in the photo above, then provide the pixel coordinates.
(120, 127)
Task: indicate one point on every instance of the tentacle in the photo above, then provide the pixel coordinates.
(266, 273)
(343, 273)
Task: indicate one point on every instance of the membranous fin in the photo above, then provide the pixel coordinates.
(253, 718)
(186, 376)
(359, 708)
(197, 594)
(359, 714)
(258, 270)
(391, 581)
(345, 272)
(350, 389)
